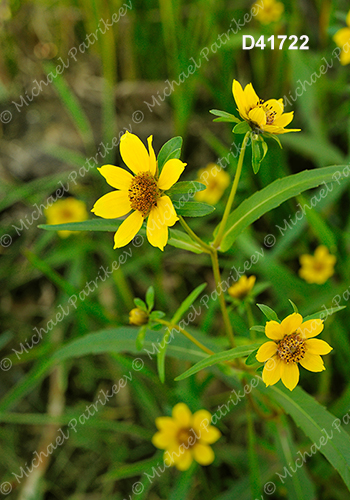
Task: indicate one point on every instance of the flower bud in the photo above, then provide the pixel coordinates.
(138, 317)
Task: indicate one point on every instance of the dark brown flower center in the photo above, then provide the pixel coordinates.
(144, 193)
(186, 437)
(291, 348)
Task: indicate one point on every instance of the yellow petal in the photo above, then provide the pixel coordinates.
(240, 99)
(306, 260)
(165, 423)
(290, 375)
(321, 252)
(345, 57)
(128, 229)
(203, 454)
(134, 153)
(116, 177)
(317, 346)
(201, 421)
(266, 351)
(167, 211)
(157, 230)
(274, 105)
(273, 330)
(291, 323)
(284, 120)
(311, 328)
(112, 205)
(152, 156)
(170, 173)
(182, 414)
(312, 362)
(163, 440)
(252, 99)
(342, 37)
(184, 462)
(210, 435)
(258, 116)
(272, 371)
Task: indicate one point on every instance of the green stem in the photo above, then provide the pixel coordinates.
(217, 276)
(231, 198)
(206, 248)
(188, 335)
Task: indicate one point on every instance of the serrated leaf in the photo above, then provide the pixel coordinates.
(224, 116)
(268, 312)
(193, 208)
(271, 197)
(221, 357)
(170, 150)
(241, 128)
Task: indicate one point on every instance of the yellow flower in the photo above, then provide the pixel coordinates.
(243, 286)
(292, 344)
(317, 268)
(186, 437)
(262, 116)
(216, 180)
(269, 11)
(138, 317)
(66, 210)
(142, 193)
(342, 39)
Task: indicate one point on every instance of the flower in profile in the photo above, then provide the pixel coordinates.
(342, 39)
(186, 437)
(241, 289)
(138, 317)
(142, 193)
(269, 11)
(262, 116)
(216, 180)
(66, 210)
(319, 267)
(292, 343)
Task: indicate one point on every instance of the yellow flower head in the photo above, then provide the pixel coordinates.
(186, 437)
(292, 343)
(262, 116)
(138, 317)
(342, 39)
(142, 193)
(269, 11)
(216, 180)
(319, 267)
(242, 288)
(66, 210)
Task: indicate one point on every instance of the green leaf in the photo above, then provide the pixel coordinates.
(324, 313)
(179, 239)
(221, 357)
(141, 337)
(241, 128)
(268, 312)
(223, 116)
(185, 188)
(186, 304)
(295, 309)
(150, 298)
(193, 208)
(258, 328)
(251, 359)
(157, 315)
(87, 225)
(140, 304)
(323, 429)
(271, 197)
(273, 136)
(171, 149)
